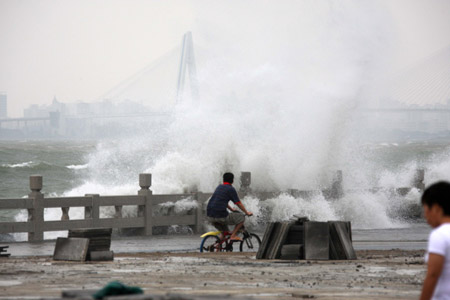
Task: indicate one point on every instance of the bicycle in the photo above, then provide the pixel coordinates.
(211, 242)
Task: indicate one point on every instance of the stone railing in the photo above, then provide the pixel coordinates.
(145, 201)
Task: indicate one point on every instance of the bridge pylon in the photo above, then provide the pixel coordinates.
(187, 61)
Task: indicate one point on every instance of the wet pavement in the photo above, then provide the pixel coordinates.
(411, 238)
(376, 274)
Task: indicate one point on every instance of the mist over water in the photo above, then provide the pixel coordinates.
(280, 88)
(281, 85)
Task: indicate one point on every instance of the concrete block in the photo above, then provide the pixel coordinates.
(99, 238)
(262, 251)
(295, 234)
(90, 233)
(291, 251)
(344, 237)
(101, 255)
(316, 240)
(341, 246)
(71, 249)
(334, 254)
(279, 237)
(336, 249)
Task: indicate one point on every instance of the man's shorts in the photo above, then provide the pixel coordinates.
(232, 219)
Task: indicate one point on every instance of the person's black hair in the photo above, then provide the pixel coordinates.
(228, 177)
(438, 193)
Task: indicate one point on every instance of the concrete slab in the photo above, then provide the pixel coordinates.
(346, 225)
(333, 251)
(337, 250)
(101, 255)
(295, 234)
(71, 249)
(316, 240)
(261, 254)
(97, 232)
(278, 239)
(344, 237)
(291, 251)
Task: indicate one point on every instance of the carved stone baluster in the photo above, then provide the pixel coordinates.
(65, 213)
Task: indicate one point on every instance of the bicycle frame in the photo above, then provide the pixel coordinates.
(225, 244)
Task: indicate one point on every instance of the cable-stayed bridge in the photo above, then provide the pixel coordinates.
(172, 79)
(426, 82)
(169, 79)
(151, 92)
(418, 102)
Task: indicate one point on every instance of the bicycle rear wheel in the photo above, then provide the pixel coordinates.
(210, 243)
(250, 243)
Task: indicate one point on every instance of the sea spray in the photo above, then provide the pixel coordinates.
(438, 167)
(280, 87)
(179, 207)
(285, 207)
(364, 209)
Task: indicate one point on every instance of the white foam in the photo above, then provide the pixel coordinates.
(438, 167)
(19, 165)
(181, 206)
(77, 167)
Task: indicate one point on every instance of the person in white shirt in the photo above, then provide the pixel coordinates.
(436, 205)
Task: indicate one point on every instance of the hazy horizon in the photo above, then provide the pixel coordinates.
(78, 50)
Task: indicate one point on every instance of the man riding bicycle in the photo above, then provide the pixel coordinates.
(217, 212)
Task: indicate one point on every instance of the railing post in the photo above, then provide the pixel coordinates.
(199, 217)
(65, 213)
(418, 179)
(146, 211)
(246, 180)
(118, 209)
(93, 211)
(337, 190)
(36, 214)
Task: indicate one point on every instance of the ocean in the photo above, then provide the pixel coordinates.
(74, 168)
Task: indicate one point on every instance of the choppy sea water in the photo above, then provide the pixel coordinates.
(75, 168)
(62, 165)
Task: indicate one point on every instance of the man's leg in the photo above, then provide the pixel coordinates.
(237, 219)
(220, 226)
(236, 229)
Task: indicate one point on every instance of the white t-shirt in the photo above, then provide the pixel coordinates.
(439, 243)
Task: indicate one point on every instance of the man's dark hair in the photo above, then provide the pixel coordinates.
(438, 193)
(228, 177)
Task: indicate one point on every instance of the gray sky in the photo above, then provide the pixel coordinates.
(79, 49)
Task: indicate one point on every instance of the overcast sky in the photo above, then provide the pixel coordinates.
(79, 49)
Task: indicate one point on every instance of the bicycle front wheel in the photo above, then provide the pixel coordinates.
(210, 243)
(251, 243)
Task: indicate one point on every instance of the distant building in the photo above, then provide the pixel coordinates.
(35, 111)
(3, 106)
